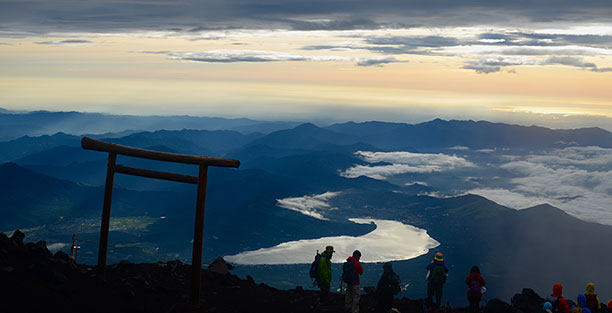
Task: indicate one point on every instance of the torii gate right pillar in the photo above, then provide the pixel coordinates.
(198, 233)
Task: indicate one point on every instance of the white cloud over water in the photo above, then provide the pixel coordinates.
(390, 241)
(312, 206)
(577, 180)
(404, 162)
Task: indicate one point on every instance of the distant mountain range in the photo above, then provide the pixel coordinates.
(14, 125)
(476, 135)
(435, 133)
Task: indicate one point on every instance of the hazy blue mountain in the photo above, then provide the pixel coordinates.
(439, 133)
(15, 125)
(305, 136)
(371, 128)
(61, 156)
(30, 199)
(19, 148)
(199, 142)
(265, 127)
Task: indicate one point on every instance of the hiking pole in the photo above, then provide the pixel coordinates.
(341, 282)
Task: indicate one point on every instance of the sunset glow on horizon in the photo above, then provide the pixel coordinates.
(510, 73)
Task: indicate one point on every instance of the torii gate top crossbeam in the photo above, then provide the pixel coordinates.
(92, 144)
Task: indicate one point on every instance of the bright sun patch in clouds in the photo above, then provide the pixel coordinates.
(577, 180)
(390, 241)
(404, 162)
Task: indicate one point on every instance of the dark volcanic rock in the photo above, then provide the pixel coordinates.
(498, 306)
(18, 237)
(527, 301)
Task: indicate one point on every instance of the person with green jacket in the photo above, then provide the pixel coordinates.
(325, 273)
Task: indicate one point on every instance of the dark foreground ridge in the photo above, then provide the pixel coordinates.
(34, 280)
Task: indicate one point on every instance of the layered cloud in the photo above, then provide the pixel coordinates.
(404, 162)
(230, 56)
(577, 180)
(390, 241)
(67, 42)
(489, 52)
(495, 64)
(313, 206)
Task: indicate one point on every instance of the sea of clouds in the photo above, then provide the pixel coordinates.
(404, 162)
(577, 180)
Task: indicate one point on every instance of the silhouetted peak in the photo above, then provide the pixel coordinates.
(546, 209)
(11, 168)
(8, 165)
(306, 126)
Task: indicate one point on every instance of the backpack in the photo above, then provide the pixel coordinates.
(394, 285)
(591, 302)
(438, 275)
(314, 267)
(475, 288)
(348, 272)
(576, 309)
(555, 304)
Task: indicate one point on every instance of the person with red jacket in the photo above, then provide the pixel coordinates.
(350, 275)
(475, 285)
(556, 298)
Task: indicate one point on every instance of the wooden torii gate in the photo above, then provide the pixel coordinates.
(200, 180)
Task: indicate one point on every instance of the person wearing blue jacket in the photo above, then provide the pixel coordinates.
(581, 305)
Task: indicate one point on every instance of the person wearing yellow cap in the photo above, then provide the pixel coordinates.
(436, 277)
(592, 301)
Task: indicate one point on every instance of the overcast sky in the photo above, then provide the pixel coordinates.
(527, 62)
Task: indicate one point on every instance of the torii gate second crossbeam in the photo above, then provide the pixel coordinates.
(112, 168)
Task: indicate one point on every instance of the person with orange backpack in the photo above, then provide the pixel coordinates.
(475, 284)
(592, 301)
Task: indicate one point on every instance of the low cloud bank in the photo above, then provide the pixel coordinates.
(577, 180)
(312, 206)
(404, 162)
(390, 241)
